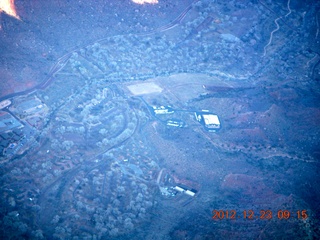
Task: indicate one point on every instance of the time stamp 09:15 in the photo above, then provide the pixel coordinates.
(262, 214)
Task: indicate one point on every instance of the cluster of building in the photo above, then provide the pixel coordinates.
(175, 123)
(11, 133)
(209, 120)
(8, 122)
(17, 124)
(162, 110)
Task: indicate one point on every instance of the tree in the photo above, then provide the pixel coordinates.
(139, 197)
(55, 219)
(67, 145)
(105, 141)
(114, 232)
(38, 234)
(82, 129)
(103, 131)
(128, 224)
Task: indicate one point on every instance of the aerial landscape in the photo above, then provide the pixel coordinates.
(160, 119)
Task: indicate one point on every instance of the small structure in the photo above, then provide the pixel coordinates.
(190, 193)
(5, 103)
(8, 122)
(175, 123)
(179, 189)
(162, 110)
(186, 191)
(209, 120)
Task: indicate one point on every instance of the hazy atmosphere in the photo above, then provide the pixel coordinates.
(160, 120)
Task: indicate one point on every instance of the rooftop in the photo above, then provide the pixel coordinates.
(8, 122)
(211, 119)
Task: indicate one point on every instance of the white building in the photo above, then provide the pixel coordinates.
(162, 110)
(210, 121)
(188, 192)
